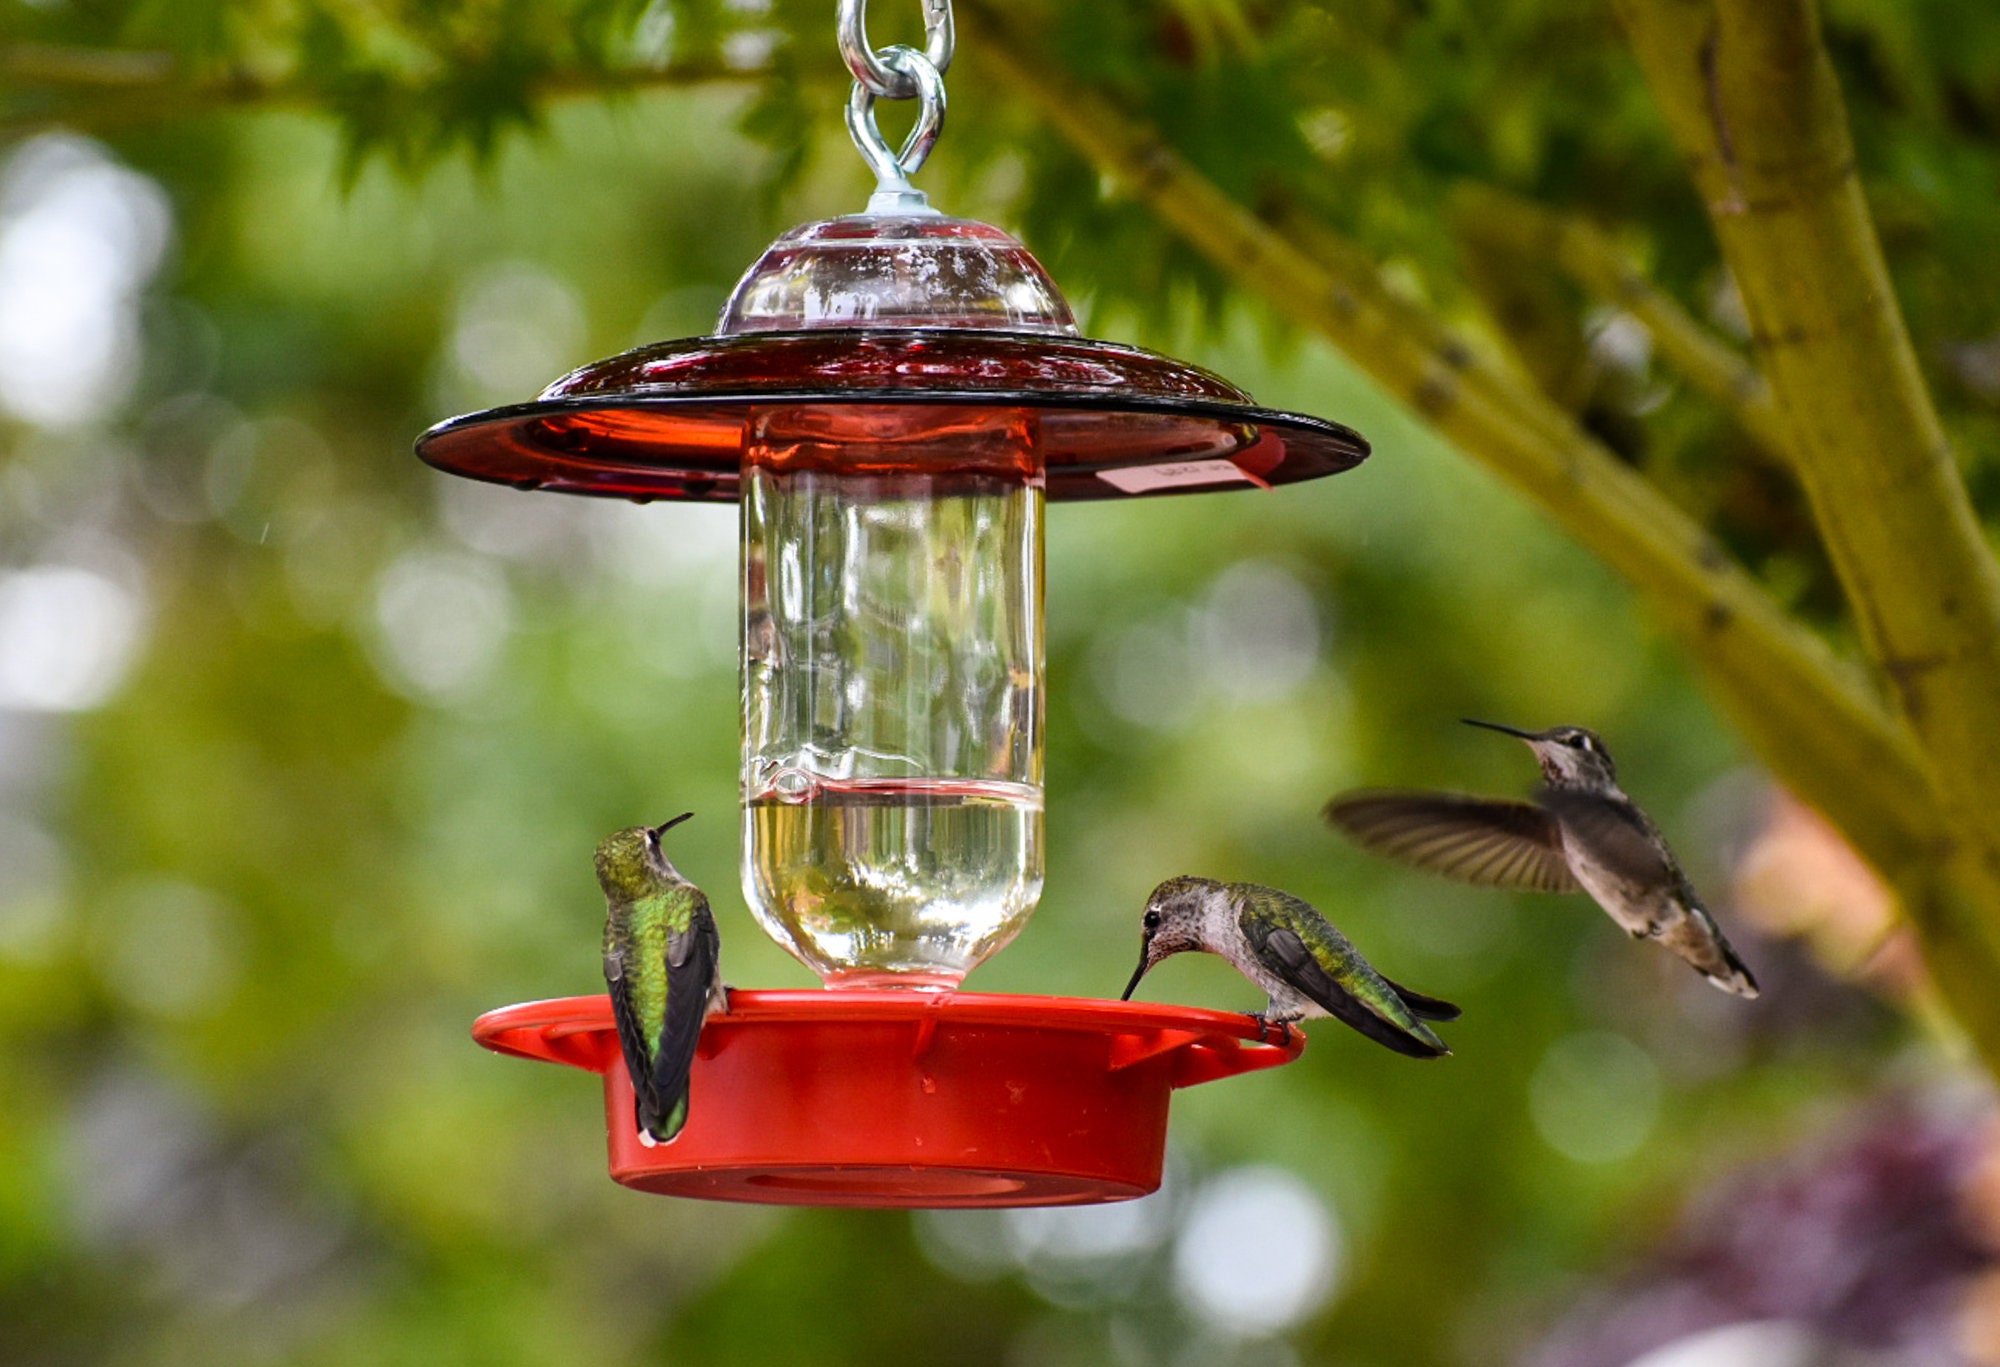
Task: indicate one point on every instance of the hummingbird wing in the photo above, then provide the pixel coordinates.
(1493, 842)
(1337, 979)
(630, 1042)
(1287, 956)
(1621, 838)
(660, 1005)
(693, 956)
(625, 1009)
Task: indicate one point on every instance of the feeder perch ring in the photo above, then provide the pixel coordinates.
(903, 1098)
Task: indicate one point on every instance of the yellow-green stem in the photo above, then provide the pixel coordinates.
(1589, 256)
(1750, 94)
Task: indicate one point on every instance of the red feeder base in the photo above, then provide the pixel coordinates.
(888, 1098)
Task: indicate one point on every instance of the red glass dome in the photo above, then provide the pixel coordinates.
(879, 326)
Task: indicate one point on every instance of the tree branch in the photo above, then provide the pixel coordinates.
(1803, 712)
(1590, 257)
(96, 68)
(1534, 313)
(1750, 95)
(98, 90)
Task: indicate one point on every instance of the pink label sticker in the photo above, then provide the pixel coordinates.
(1141, 479)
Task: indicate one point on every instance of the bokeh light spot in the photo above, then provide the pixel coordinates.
(518, 328)
(1258, 1253)
(1758, 1343)
(169, 948)
(67, 636)
(34, 878)
(1076, 1255)
(1253, 636)
(1144, 674)
(80, 236)
(1258, 632)
(1595, 1096)
(691, 546)
(443, 621)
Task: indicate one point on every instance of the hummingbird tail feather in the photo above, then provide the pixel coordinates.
(1384, 1018)
(1415, 1040)
(662, 1129)
(1423, 1007)
(1699, 940)
(1424, 1043)
(676, 1119)
(1739, 980)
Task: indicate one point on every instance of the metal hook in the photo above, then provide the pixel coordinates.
(893, 169)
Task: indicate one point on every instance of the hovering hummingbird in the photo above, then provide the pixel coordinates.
(660, 963)
(1286, 947)
(1580, 834)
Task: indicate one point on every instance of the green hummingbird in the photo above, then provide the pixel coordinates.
(661, 953)
(1580, 834)
(1284, 946)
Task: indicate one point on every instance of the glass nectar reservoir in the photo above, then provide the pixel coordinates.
(892, 619)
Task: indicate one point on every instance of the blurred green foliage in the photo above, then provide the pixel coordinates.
(371, 722)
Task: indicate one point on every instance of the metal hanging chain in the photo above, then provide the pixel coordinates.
(870, 67)
(896, 73)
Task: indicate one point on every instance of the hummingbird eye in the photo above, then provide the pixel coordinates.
(1581, 742)
(1152, 920)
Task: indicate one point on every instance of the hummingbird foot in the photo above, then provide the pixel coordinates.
(1267, 1023)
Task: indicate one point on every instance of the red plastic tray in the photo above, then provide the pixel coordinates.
(900, 1098)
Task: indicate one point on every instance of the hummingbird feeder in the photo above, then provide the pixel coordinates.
(891, 397)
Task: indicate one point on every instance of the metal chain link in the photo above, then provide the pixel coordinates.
(893, 169)
(896, 73)
(871, 67)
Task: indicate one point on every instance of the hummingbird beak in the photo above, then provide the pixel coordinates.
(656, 832)
(1503, 730)
(1145, 962)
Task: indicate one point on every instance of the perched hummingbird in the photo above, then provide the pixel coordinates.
(1580, 834)
(1291, 951)
(660, 962)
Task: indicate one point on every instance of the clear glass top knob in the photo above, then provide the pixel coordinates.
(896, 271)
